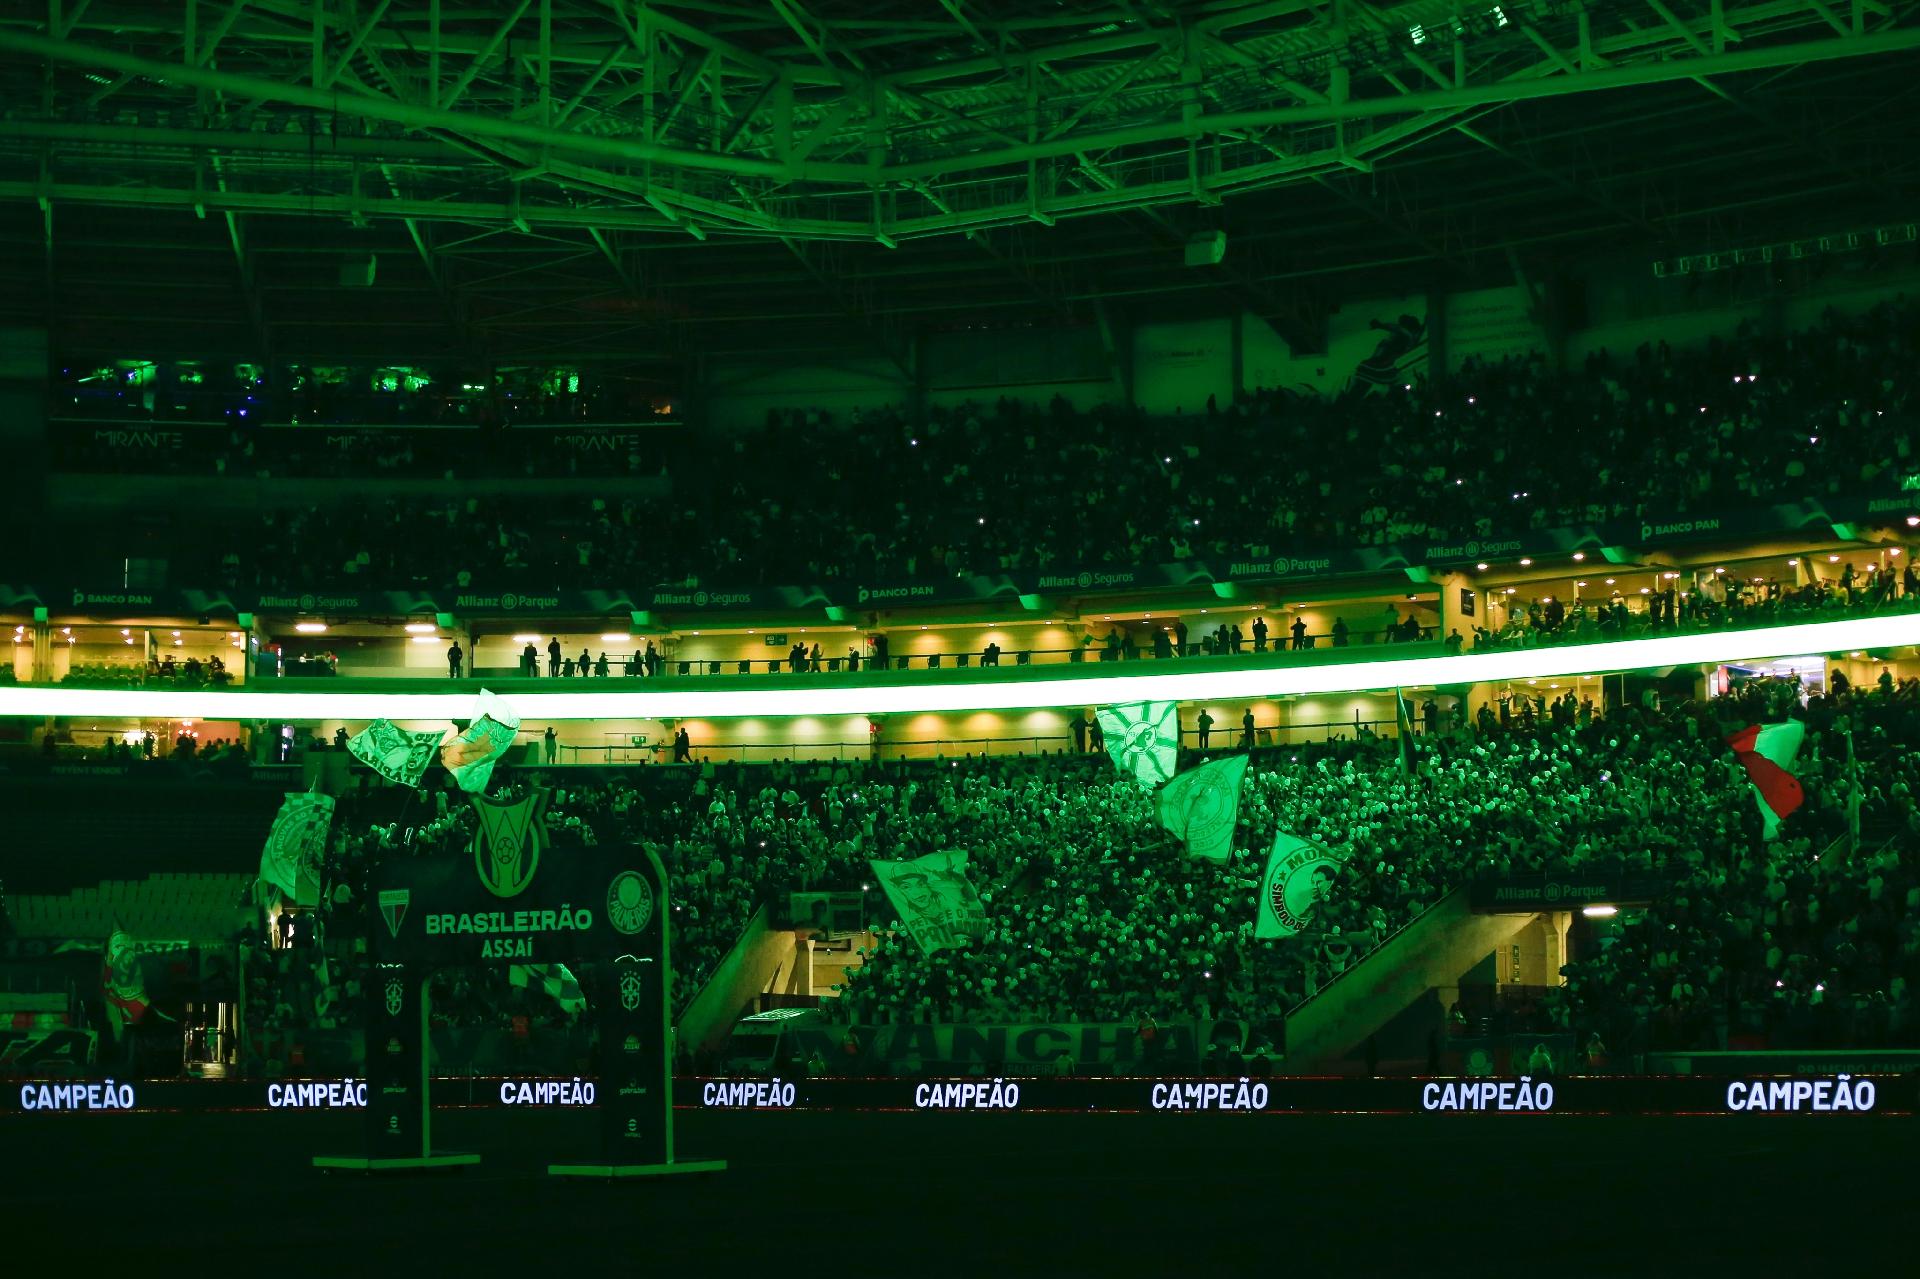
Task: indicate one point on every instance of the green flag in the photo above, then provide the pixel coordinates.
(1202, 805)
(937, 904)
(290, 860)
(1299, 880)
(397, 754)
(555, 980)
(471, 756)
(1143, 738)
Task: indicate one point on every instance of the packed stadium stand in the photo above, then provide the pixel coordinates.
(851, 557)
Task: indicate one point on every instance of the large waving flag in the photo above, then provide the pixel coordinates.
(471, 756)
(1766, 752)
(290, 860)
(121, 982)
(936, 902)
(1300, 877)
(555, 979)
(1202, 805)
(1143, 738)
(397, 754)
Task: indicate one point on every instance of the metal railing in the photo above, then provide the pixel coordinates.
(646, 751)
(630, 665)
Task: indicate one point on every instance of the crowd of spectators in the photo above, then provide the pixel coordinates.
(1095, 913)
(1709, 601)
(1501, 448)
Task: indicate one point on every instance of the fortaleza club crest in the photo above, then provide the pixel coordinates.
(507, 845)
(393, 908)
(396, 996)
(629, 902)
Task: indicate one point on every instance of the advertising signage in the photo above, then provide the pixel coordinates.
(1562, 890)
(511, 898)
(1830, 1098)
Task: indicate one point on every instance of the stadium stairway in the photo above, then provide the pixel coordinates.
(1446, 941)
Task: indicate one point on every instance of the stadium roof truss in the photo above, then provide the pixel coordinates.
(1033, 688)
(596, 126)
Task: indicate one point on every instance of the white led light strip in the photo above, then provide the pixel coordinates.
(1174, 681)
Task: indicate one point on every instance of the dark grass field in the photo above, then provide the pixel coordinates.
(915, 1194)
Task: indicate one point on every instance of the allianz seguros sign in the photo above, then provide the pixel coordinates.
(513, 898)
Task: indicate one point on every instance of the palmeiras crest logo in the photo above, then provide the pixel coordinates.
(629, 902)
(630, 990)
(393, 908)
(396, 996)
(506, 847)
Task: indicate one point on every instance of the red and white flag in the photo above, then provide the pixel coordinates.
(1766, 752)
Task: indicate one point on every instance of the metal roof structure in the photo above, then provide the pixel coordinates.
(589, 179)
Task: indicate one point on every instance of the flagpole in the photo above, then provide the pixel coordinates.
(1853, 798)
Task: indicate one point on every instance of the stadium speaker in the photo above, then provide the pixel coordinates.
(357, 271)
(1206, 248)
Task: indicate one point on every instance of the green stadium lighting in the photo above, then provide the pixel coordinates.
(1029, 688)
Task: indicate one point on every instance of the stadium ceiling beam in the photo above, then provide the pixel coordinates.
(967, 157)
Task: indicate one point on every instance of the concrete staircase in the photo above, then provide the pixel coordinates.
(1435, 950)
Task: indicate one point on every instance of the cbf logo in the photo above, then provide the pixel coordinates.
(506, 847)
(396, 996)
(629, 902)
(630, 990)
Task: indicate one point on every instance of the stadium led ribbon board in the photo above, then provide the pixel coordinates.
(1089, 684)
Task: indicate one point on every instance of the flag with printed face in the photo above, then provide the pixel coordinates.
(470, 757)
(1299, 881)
(121, 982)
(1766, 752)
(290, 861)
(1202, 805)
(1143, 739)
(937, 904)
(556, 981)
(398, 754)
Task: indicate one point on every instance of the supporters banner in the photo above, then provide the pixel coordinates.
(290, 860)
(397, 754)
(1766, 753)
(937, 904)
(1201, 807)
(1143, 740)
(470, 757)
(1300, 876)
